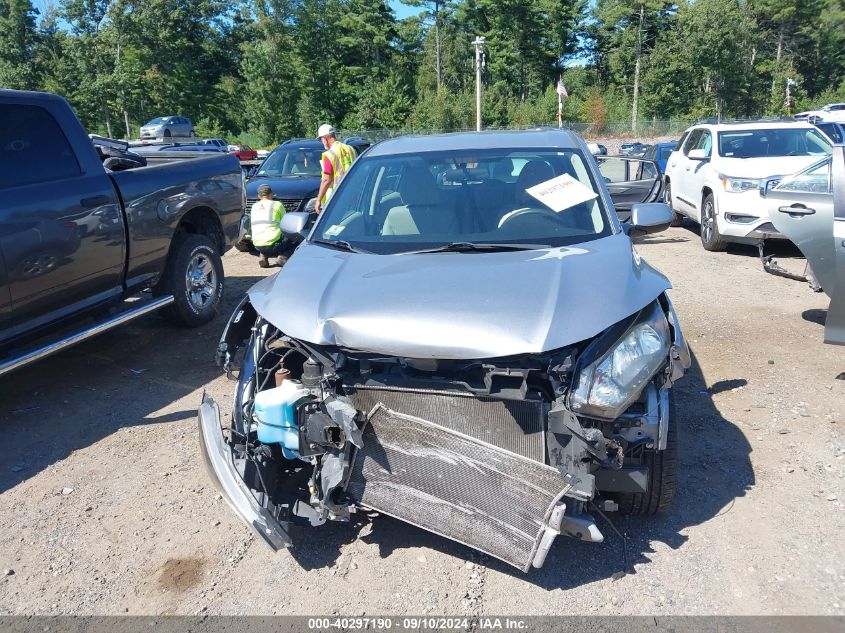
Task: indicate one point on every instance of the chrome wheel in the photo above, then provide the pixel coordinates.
(201, 282)
(707, 221)
(711, 240)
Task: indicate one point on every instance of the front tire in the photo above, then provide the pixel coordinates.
(662, 476)
(677, 218)
(711, 240)
(166, 134)
(194, 276)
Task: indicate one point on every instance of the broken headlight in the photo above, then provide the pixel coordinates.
(611, 378)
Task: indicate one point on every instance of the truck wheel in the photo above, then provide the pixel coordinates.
(710, 238)
(194, 276)
(662, 476)
(677, 218)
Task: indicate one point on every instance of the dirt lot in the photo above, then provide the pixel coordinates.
(106, 507)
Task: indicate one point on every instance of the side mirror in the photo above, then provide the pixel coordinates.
(311, 205)
(698, 154)
(295, 223)
(648, 218)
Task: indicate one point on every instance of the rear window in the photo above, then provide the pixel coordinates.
(33, 147)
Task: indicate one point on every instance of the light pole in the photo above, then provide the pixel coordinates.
(479, 64)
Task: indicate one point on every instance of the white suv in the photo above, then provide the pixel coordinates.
(714, 173)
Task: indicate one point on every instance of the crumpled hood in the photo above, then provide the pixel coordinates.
(457, 305)
(764, 167)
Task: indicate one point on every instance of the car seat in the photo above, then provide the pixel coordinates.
(424, 211)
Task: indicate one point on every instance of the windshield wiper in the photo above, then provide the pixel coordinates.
(472, 247)
(341, 245)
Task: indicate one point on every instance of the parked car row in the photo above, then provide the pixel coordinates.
(832, 112)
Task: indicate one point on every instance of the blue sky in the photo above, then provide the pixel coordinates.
(403, 10)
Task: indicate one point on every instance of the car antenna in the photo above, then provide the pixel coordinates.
(627, 569)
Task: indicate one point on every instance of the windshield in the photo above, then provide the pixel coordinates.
(158, 120)
(777, 142)
(292, 161)
(524, 198)
(814, 179)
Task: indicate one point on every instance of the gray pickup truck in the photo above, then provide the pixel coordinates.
(90, 239)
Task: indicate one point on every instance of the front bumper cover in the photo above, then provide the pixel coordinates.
(218, 461)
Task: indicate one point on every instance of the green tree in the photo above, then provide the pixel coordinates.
(625, 33)
(384, 104)
(18, 39)
(270, 91)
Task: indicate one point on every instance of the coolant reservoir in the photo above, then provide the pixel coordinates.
(275, 410)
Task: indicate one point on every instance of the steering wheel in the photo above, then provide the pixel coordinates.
(547, 214)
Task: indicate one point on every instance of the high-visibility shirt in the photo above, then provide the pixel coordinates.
(264, 221)
(336, 162)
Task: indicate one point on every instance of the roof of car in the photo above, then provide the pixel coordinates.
(551, 138)
(754, 125)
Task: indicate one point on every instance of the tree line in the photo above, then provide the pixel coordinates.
(265, 70)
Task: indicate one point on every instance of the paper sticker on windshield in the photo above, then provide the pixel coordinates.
(561, 192)
(334, 230)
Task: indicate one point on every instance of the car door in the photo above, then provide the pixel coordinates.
(693, 173)
(57, 256)
(630, 181)
(677, 169)
(834, 331)
(802, 207)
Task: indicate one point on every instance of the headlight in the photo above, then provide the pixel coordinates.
(607, 383)
(738, 185)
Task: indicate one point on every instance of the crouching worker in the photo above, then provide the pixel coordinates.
(267, 237)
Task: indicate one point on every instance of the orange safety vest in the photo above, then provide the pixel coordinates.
(341, 156)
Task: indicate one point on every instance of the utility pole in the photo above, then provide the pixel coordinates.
(437, 42)
(480, 62)
(635, 103)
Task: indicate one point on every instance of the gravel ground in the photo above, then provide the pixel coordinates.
(106, 508)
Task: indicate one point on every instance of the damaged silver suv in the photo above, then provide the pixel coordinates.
(465, 340)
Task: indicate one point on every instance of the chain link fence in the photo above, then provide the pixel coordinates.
(620, 129)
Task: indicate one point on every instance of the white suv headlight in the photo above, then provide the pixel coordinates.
(738, 185)
(609, 382)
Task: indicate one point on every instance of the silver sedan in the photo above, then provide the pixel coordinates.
(167, 127)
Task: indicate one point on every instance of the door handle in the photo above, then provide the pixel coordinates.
(796, 210)
(94, 201)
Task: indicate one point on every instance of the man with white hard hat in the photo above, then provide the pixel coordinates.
(336, 161)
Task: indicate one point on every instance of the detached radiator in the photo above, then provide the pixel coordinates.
(513, 425)
(459, 487)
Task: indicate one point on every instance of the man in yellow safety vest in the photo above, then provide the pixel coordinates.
(336, 161)
(267, 237)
